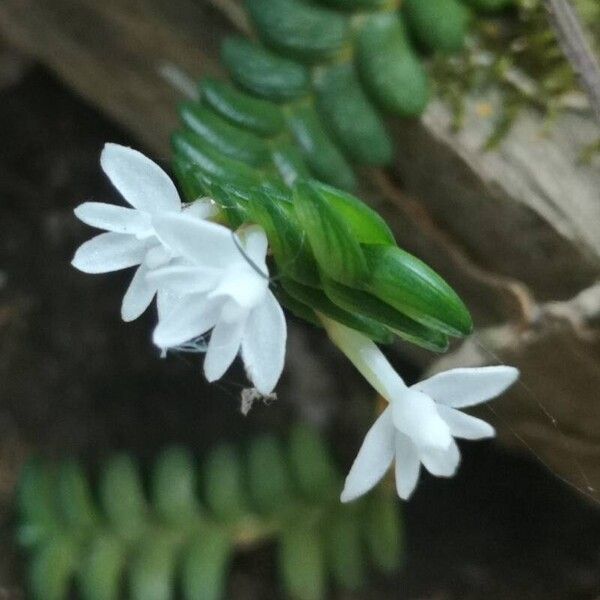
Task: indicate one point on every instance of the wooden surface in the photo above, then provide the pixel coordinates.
(514, 230)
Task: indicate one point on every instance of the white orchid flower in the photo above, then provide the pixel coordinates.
(222, 284)
(130, 239)
(421, 421)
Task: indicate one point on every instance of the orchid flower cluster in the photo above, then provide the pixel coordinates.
(210, 279)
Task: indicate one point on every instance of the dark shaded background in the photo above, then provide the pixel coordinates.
(75, 380)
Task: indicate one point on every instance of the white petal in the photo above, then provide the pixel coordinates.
(441, 463)
(182, 279)
(204, 208)
(138, 296)
(109, 252)
(223, 347)
(255, 243)
(373, 460)
(185, 319)
(416, 415)
(466, 387)
(263, 344)
(465, 426)
(408, 466)
(139, 180)
(242, 284)
(157, 255)
(166, 301)
(202, 242)
(113, 218)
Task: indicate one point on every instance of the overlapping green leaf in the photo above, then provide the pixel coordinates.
(182, 537)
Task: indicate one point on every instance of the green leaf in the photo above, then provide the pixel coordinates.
(314, 472)
(413, 288)
(366, 225)
(287, 240)
(298, 29)
(336, 250)
(152, 571)
(235, 208)
(264, 73)
(122, 495)
(366, 305)
(209, 160)
(228, 139)
(102, 568)
(491, 5)
(302, 563)
(344, 548)
(318, 301)
(321, 154)
(353, 120)
(52, 569)
(289, 162)
(206, 564)
(438, 26)
(174, 487)
(382, 529)
(296, 307)
(260, 116)
(223, 485)
(391, 71)
(191, 188)
(353, 5)
(36, 498)
(75, 497)
(270, 486)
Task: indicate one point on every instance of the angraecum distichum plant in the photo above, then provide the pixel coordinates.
(264, 218)
(173, 530)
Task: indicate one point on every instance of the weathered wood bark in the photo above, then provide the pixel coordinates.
(514, 229)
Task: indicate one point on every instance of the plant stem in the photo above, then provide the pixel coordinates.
(563, 17)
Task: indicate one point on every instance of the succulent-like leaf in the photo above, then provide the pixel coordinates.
(270, 485)
(299, 29)
(206, 565)
(367, 305)
(382, 529)
(345, 555)
(355, 123)
(297, 307)
(321, 154)
(366, 225)
(264, 73)
(260, 116)
(226, 138)
(223, 484)
(152, 571)
(52, 569)
(75, 497)
(389, 66)
(410, 286)
(197, 151)
(291, 249)
(122, 495)
(174, 487)
(318, 301)
(313, 469)
(302, 562)
(37, 502)
(100, 576)
(337, 252)
(438, 26)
